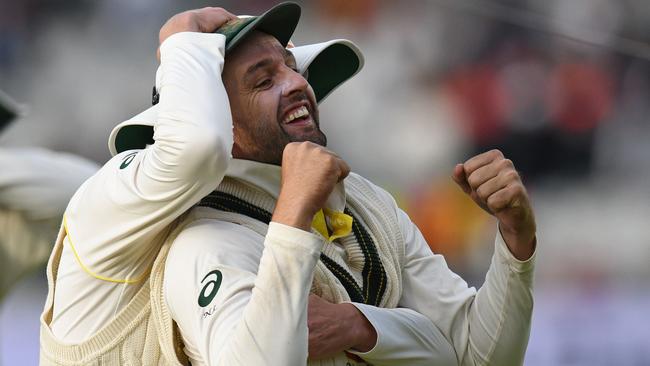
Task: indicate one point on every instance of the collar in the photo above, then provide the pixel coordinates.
(268, 178)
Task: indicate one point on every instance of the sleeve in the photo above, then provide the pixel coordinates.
(238, 302)
(38, 183)
(405, 337)
(35, 186)
(488, 327)
(114, 218)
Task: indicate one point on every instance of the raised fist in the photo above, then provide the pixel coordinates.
(309, 174)
(493, 183)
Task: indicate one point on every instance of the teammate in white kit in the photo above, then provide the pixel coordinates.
(237, 227)
(35, 186)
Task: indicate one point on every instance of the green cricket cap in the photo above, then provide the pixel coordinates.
(279, 22)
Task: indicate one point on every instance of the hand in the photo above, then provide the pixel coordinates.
(493, 183)
(334, 328)
(309, 174)
(205, 20)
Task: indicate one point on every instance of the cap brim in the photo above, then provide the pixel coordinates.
(279, 22)
(328, 64)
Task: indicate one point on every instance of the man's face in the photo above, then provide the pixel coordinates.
(271, 103)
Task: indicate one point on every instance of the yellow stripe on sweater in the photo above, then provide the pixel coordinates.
(93, 274)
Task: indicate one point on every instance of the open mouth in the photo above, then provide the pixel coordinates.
(299, 115)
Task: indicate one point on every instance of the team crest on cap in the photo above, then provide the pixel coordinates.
(228, 27)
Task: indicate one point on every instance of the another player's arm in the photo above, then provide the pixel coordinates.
(38, 182)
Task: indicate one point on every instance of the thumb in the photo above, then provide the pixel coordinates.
(460, 178)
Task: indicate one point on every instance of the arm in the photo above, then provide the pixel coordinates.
(380, 336)
(140, 195)
(257, 315)
(38, 183)
(35, 186)
(490, 326)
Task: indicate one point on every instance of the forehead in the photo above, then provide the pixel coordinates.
(257, 46)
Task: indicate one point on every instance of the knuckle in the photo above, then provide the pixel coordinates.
(473, 180)
(482, 193)
(507, 163)
(330, 159)
(187, 17)
(290, 148)
(518, 189)
(182, 20)
(496, 153)
(494, 203)
(512, 174)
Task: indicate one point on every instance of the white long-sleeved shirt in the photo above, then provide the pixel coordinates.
(253, 317)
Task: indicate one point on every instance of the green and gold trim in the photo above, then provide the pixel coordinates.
(374, 275)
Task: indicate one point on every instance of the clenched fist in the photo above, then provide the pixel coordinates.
(493, 183)
(309, 174)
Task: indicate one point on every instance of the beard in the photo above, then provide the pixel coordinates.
(266, 141)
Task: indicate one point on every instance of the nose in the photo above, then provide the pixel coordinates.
(294, 82)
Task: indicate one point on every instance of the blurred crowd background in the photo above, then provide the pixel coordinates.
(562, 87)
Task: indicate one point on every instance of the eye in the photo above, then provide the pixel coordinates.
(264, 84)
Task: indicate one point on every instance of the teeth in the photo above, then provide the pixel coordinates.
(300, 112)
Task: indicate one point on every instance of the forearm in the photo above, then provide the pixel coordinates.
(193, 131)
(499, 317)
(488, 327)
(272, 329)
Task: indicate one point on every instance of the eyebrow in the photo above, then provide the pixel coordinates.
(266, 62)
(288, 55)
(255, 67)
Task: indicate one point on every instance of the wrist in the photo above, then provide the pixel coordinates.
(292, 213)
(520, 244)
(363, 336)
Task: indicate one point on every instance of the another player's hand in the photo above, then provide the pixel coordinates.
(205, 20)
(493, 183)
(309, 174)
(334, 328)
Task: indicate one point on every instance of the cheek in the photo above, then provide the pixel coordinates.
(263, 106)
